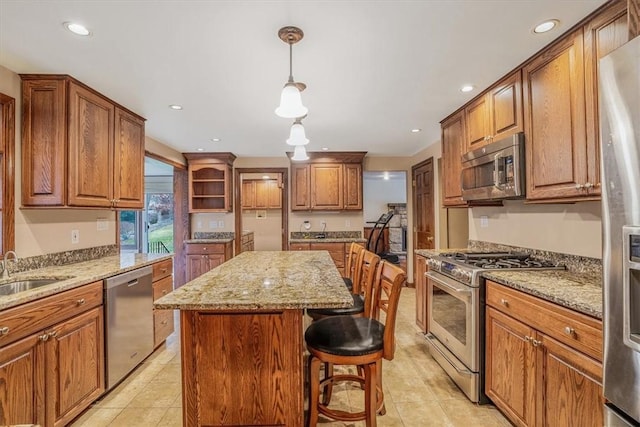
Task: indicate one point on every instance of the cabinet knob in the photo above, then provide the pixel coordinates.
(588, 185)
(164, 270)
(43, 337)
(52, 334)
(536, 343)
(569, 331)
(527, 338)
(164, 322)
(504, 302)
(4, 330)
(579, 186)
(80, 302)
(164, 292)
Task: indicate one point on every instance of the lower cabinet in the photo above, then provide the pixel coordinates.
(162, 285)
(537, 372)
(52, 369)
(421, 293)
(336, 250)
(202, 257)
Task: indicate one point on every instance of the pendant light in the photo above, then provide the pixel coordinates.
(297, 135)
(299, 153)
(290, 100)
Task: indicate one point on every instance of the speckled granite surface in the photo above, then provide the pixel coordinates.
(578, 291)
(306, 235)
(61, 258)
(78, 274)
(213, 235)
(203, 240)
(329, 240)
(264, 280)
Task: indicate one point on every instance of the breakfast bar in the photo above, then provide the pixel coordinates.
(241, 331)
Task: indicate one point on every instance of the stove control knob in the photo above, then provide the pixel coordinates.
(434, 264)
(457, 273)
(466, 276)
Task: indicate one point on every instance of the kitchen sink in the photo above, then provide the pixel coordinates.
(16, 286)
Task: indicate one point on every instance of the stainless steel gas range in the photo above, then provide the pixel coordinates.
(455, 292)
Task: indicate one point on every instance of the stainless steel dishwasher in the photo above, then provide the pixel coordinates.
(128, 322)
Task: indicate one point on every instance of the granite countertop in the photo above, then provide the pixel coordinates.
(581, 292)
(271, 280)
(223, 240)
(433, 252)
(74, 275)
(329, 240)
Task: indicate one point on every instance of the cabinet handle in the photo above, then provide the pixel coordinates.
(536, 343)
(164, 270)
(527, 338)
(579, 186)
(4, 330)
(588, 186)
(569, 331)
(52, 334)
(504, 302)
(164, 322)
(80, 302)
(43, 337)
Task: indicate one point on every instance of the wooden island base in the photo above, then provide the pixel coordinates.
(242, 368)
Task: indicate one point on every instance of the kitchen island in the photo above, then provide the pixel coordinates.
(241, 327)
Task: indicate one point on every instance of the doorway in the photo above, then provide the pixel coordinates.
(261, 200)
(151, 230)
(423, 207)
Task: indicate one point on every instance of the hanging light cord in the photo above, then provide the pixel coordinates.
(290, 62)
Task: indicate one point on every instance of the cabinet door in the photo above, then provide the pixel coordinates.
(248, 194)
(555, 121)
(300, 187)
(128, 161)
(22, 382)
(91, 140)
(43, 142)
(603, 34)
(421, 293)
(452, 142)
(510, 367)
(505, 104)
(299, 246)
(197, 265)
(275, 195)
(336, 250)
(478, 121)
(214, 260)
(75, 366)
(352, 186)
(327, 187)
(262, 194)
(570, 385)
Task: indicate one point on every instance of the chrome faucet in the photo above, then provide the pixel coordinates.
(3, 264)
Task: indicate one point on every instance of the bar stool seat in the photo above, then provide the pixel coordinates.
(346, 335)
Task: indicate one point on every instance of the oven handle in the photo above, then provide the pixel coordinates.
(450, 286)
(453, 365)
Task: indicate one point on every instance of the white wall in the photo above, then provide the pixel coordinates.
(378, 192)
(568, 228)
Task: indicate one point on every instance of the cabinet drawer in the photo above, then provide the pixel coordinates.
(204, 248)
(574, 329)
(162, 325)
(299, 246)
(162, 287)
(336, 250)
(40, 314)
(162, 269)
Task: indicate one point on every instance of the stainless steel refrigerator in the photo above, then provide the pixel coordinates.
(619, 95)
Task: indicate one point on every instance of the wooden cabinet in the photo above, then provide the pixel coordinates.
(421, 293)
(52, 357)
(79, 148)
(543, 362)
(338, 251)
(162, 285)
(603, 34)
(210, 182)
(247, 242)
(261, 194)
(453, 140)
(495, 115)
(327, 182)
(202, 257)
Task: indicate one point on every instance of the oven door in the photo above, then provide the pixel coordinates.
(453, 317)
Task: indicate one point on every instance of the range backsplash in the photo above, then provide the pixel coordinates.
(62, 258)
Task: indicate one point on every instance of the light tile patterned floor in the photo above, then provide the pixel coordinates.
(417, 391)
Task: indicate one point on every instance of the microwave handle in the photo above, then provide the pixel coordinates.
(496, 171)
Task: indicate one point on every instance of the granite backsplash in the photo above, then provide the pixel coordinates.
(214, 235)
(327, 234)
(60, 258)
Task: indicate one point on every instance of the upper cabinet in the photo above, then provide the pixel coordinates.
(210, 179)
(327, 182)
(453, 141)
(69, 127)
(261, 194)
(495, 115)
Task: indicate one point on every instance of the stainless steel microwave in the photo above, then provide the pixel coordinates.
(495, 171)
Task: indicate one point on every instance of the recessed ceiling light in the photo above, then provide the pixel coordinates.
(78, 29)
(265, 177)
(215, 139)
(385, 176)
(175, 107)
(467, 88)
(325, 148)
(199, 149)
(416, 130)
(545, 26)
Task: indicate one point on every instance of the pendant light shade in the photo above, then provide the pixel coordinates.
(291, 103)
(299, 153)
(297, 135)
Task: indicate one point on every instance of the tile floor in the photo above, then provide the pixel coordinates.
(417, 391)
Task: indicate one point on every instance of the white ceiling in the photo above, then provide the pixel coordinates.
(374, 69)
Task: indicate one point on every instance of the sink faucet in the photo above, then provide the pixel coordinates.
(3, 264)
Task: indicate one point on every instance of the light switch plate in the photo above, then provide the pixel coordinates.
(102, 224)
(484, 221)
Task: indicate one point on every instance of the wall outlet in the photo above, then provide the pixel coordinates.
(75, 236)
(102, 224)
(307, 225)
(213, 224)
(484, 221)
(220, 224)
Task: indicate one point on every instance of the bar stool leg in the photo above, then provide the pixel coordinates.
(383, 409)
(370, 401)
(314, 394)
(328, 389)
